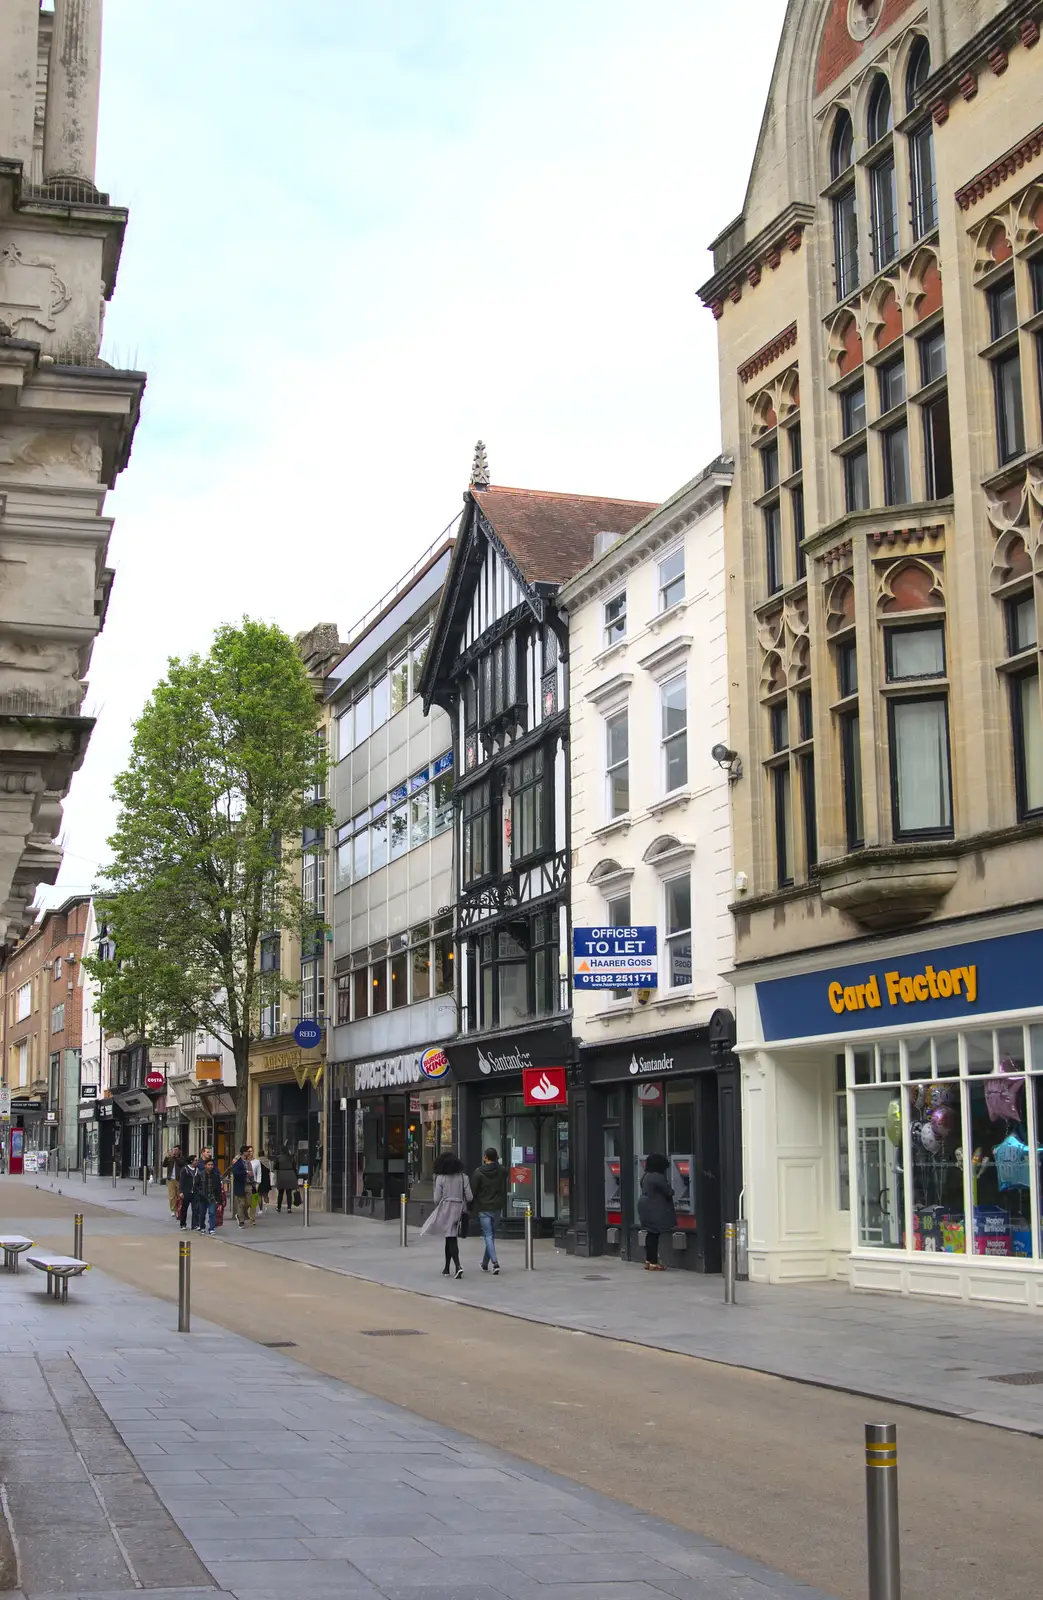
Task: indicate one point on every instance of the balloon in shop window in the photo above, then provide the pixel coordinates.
(893, 1124)
(1003, 1098)
(943, 1121)
(931, 1139)
(916, 1097)
(942, 1094)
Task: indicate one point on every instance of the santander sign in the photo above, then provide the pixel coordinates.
(544, 1086)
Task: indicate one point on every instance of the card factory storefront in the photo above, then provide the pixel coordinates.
(285, 1111)
(893, 1117)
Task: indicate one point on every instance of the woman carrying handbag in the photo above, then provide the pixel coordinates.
(449, 1219)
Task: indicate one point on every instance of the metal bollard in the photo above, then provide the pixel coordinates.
(305, 1204)
(403, 1223)
(114, 1178)
(729, 1263)
(530, 1256)
(184, 1286)
(85, 1169)
(885, 1563)
(77, 1235)
(144, 1183)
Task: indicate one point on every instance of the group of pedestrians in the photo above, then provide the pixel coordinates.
(454, 1195)
(198, 1191)
(486, 1192)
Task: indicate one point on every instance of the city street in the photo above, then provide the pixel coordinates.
(769, 1469)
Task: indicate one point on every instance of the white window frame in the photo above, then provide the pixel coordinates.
(23, 1001)
(614, 631)
(661, 587)
(669, 739)
(678, 933)
(57, 969)
(58, 1017)
(23, 1061)
(610, 770)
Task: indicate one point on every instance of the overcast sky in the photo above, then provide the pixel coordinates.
(365, 233)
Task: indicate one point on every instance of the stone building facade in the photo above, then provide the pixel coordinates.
(879, 305)
(67, 421)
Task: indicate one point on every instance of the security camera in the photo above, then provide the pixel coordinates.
(729, 760)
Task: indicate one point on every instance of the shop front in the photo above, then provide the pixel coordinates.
(286, 1110)
(533, 1138)
(138, 1144)
(218, 1105)
(908, 1115)
(27, 1132)
(106, 1139)
(674, 1094)
(391, 1120)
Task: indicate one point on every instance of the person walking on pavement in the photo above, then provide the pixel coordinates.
(255, 1189)
(210, 1190)
(285, 1179)
(655, 1208)
(172, 1165)
(242, 1177)
(265, 1181)
(489, 1186)
(452, 1195)
(186, 1189)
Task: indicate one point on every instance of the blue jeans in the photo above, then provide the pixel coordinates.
(487, 1219)
(211, 1215)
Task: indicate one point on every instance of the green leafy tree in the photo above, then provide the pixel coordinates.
(226, 771)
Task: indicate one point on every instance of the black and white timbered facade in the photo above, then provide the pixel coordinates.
(498, 664)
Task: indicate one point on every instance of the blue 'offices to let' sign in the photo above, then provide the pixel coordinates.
(614, 958)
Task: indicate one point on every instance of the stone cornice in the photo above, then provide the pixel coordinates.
(1000, 170)
(768, 353)
(673, 518)
(784, 232)
(1018, 22)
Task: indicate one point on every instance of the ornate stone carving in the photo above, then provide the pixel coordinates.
(31, 291)
(863, 16)
(910, 585)
(50, 455)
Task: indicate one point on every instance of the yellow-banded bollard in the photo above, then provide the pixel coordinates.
(184, 1286)
(885, 1564)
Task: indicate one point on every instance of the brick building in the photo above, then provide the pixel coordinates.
(42, 1028)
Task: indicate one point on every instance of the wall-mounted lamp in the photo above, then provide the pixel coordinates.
(729, 760)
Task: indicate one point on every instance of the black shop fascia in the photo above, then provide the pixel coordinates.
(675, 1094)
(534, 1141)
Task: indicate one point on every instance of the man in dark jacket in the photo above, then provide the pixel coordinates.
(186, 1187)
(242, 1185)
(655, 1208)
(172, 1165)
(489, 1186)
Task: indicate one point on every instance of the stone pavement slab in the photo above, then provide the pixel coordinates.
(454, 1518)
(818, 1333)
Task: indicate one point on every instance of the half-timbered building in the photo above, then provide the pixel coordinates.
(498, 664)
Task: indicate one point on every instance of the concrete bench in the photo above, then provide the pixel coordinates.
(59, 1270)
(13, 1244)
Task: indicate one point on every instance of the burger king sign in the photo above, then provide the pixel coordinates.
(434, 1063)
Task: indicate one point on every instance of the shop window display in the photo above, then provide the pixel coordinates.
(944, 1157)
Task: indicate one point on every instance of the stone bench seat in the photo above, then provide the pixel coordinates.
(13, 1245)
(59, 1270)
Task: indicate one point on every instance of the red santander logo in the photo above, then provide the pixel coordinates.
(544, 1086)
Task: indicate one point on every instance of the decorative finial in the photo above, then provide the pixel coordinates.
(480, 468)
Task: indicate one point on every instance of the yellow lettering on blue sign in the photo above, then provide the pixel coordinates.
(931, 984)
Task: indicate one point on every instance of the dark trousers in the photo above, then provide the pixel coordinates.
(199, 1209)
(452, 1252)
(652, 1247)
(286, 1194)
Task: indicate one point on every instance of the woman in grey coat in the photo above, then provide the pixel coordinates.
(452, 1194)
(655, 1208)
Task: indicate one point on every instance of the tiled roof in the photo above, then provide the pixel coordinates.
(551, 536)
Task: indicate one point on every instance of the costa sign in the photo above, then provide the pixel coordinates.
(154, 1080)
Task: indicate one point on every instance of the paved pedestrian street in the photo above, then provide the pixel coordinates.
(178, 1464)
